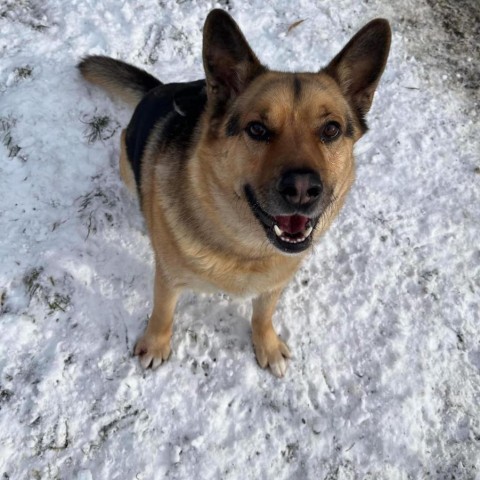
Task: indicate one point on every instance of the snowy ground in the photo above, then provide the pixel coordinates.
(383, 319)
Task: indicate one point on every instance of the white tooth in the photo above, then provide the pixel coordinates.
(307, 232)
(278, 231)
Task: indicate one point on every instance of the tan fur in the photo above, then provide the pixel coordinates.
(203, 231)
(203, 241)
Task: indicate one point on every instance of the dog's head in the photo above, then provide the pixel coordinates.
(283, 142)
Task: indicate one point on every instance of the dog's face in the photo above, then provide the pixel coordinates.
(291, 136)
(286, 139)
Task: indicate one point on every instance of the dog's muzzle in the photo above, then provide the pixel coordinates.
(291, 231)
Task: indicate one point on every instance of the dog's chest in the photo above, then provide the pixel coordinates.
(237, 278)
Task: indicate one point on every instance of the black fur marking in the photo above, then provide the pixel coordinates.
(233, 126)
(349, 130)
(158, 105)
(297, 87)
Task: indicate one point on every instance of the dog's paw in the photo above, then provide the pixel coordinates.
(271, 352)
(152, 350)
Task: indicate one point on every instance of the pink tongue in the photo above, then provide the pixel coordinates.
(292, 224)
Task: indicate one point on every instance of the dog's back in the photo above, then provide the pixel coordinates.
(165, 115)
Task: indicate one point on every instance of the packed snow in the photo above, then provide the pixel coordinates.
(382, 319)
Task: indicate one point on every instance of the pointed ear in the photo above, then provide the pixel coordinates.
(359, 66)
(229, 62)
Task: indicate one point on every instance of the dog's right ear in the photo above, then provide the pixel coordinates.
(229, 62)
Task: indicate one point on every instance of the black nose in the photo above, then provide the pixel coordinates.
(300, 187)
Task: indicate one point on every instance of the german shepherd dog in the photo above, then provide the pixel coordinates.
(239, 174)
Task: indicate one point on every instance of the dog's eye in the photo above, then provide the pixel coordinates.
(258, 131)
(330, 131)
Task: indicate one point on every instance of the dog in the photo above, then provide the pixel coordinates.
(238, 174)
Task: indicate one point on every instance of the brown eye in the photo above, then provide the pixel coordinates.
(258, 131)
(330, 131)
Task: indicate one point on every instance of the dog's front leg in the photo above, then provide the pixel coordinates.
(153, 347)
(269, 349)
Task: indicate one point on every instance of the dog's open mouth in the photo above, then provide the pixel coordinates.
(289, 233)
(292, 228)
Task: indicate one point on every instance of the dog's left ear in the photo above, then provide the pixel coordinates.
(229, 62)
(359, 66)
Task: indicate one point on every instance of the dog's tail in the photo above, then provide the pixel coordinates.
(118, 78)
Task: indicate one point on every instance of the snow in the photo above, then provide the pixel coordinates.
(383, 319)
